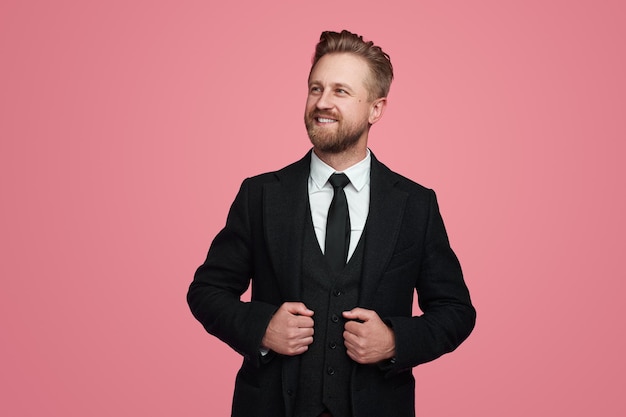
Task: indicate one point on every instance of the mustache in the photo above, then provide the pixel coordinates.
(329, 115)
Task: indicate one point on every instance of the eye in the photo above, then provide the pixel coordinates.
(315, 89)
(341, 91)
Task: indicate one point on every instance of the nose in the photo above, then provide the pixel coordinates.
(324, 101)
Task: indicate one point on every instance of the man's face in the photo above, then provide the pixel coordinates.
(338, 109)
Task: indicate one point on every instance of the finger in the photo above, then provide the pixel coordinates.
(305, 333)
(352, 356)
(296, 350)
(304, 322)
(302, 343)
(307, 341)
(349, 340)
(352, 327)
(301, 349)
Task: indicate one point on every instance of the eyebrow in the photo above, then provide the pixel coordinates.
(334, 85)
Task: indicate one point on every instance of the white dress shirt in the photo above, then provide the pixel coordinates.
(357, 194)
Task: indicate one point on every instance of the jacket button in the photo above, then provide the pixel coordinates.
(337, 293)
(289, 392)
(330, 371)
(334, 318)
(332, 345)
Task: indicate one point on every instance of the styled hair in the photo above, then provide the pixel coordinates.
(377, 60)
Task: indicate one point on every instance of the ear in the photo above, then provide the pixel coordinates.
(377, 109)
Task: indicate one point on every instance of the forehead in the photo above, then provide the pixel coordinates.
(340, 68)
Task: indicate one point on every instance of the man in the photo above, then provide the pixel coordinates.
(335, 246)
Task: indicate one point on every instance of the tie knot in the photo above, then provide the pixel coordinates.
(339, 180)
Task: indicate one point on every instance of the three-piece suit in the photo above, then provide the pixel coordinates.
(404, 250)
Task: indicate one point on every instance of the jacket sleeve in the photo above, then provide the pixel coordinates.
(214, 296)
(448, 315)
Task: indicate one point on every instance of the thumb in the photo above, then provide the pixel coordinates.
(358, 313)
(298, 309)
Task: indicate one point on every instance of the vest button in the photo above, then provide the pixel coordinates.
(330, 371)
(289, 392)
(334, 318)
(337, 293)
(332, 345)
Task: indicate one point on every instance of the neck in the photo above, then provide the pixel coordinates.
(343, 160)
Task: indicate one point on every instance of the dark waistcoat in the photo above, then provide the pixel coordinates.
(325, 368)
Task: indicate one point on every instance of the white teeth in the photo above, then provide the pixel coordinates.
(324, 120)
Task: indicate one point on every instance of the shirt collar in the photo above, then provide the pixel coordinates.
(358, 174)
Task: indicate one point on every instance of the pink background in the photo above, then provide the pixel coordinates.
(127, 126)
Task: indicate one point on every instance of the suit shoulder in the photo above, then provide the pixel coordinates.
(405, 184)
(292, 170)
(410, 185)
(261, 179)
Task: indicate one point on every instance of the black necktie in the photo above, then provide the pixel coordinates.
(338, 225)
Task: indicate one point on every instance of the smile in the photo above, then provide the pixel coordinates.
(324, 120)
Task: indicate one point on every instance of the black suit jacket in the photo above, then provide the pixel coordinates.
(406, 250)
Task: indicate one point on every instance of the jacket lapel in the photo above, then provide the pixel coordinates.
(285, 205)
(387, 204)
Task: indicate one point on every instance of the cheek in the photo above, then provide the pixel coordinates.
(310, 104)
(358, 113)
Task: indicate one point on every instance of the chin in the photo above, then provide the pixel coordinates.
(332, 146)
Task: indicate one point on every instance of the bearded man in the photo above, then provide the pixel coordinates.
(336, 246)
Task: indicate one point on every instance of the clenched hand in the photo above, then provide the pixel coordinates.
(368, 340)
(290, 331)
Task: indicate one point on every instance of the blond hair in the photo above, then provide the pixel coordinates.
(378, 61)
